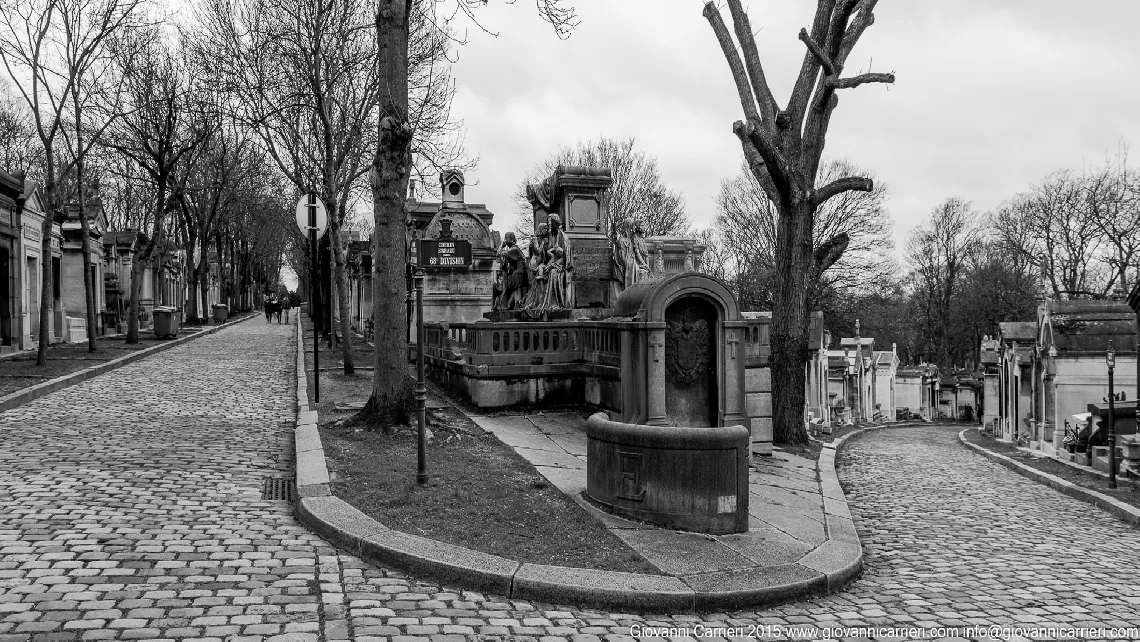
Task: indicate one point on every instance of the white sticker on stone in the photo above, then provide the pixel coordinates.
(726, 504)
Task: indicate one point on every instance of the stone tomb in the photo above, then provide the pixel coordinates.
(679, 455)
(682, 363)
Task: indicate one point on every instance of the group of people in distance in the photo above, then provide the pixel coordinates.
(274, 306)
(540, 279)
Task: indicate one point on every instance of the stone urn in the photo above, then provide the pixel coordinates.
(1131, 447)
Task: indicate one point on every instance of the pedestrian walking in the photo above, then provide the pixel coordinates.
(286, 305)
(270, 308)
(277, 310)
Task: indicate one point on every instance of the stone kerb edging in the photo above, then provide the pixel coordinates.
(835, 562)
(32, 393)
(1108, 504)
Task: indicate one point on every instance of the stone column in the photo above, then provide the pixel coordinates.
(1049, 421)
(732, 377)
(655, 398)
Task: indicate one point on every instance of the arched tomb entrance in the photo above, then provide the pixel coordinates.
(678, 456)
(683, 363)
(690, 362)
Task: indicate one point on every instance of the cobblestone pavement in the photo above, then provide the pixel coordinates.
(131, 509)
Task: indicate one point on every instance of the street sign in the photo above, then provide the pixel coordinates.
(445, 254)
(321, 224)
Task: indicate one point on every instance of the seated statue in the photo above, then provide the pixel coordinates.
(553, 286)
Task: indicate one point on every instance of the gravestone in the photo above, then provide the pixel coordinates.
(690, 360)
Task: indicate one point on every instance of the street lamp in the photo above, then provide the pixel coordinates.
(850, 372)
(1110, 361)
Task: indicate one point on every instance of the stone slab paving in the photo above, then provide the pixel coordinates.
(785, 507)
(130, 509)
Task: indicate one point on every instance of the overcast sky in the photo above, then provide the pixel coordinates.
(989, 96)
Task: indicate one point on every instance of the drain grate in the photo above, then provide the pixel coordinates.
(280, 488)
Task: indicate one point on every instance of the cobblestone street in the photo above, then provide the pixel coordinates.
(131, 509)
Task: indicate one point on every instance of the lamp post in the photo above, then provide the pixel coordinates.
(859, 372)
(850, 370)
(1015, 430)
(1110, 361)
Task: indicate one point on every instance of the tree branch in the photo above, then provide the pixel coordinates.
(829, 252)
(732, 56)
(821, 58)
(838, 186)
(858, 25)
(861, 79)
(774, 161)
(752, 62)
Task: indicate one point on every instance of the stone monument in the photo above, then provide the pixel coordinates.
(459, 294)
(577, 195)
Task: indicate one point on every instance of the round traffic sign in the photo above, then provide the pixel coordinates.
(311, 214)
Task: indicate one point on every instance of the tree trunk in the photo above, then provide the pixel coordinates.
(88, 276)
(389, 181)
(136, 293)
(790, 319)
(325, 254)
(47, 298)
(342, 296)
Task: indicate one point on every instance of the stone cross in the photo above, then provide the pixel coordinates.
(732, 341)
(656, 344)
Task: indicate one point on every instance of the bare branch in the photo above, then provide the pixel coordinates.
(830, 251)
(861, 79)
(821, 58)
(752, 61)
(777, 166)
(838, 186)
(732, 56)
(858, 25)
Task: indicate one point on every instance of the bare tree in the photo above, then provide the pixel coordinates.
(938, 253)
(18, 139)
(783, 148)
(162, 130)
(214, 186)
(1112, 196)
(637, 192)
(302, 77)
(748, 221)
(1055, 228)
(49, 49)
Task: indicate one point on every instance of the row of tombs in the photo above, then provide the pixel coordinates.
(585, 311)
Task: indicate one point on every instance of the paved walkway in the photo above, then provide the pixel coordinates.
(130, 508)
(786, 510)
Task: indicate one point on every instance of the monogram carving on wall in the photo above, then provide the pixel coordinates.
(687, 349)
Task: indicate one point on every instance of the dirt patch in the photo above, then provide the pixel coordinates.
(481, 494)
(1127, 491)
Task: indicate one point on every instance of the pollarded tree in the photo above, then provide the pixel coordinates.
(638, 191)
(783, 148)
(748, 223)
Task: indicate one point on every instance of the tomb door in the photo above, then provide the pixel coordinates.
(691, 362)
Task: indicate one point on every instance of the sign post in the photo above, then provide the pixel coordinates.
(313, 220)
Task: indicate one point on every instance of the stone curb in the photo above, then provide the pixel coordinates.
(1108, 504)
(32, 393)
(826, 568)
